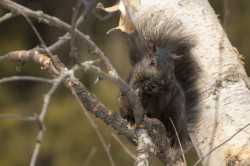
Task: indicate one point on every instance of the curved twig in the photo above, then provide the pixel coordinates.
(26, 78)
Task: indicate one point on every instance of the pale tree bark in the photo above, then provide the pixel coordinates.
(223, 83)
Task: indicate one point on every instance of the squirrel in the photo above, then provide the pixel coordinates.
(164, 75)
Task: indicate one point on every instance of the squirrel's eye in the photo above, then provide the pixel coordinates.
(152, 63)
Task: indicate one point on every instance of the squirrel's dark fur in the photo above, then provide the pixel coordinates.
(164, 74)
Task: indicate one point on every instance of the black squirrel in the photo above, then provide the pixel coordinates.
(164, 74)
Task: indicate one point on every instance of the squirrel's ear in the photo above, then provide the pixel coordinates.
(151, 48)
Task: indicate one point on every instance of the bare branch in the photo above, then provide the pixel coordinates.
(64, 39)
(24, 118)
(52, 21)
(90, 156)
(124, 87)
(37, 33)
(93, 105)
(41, 117)
(103, 18)
(25, 56)
(48, 96)
(73, 50)
(93, 124)
(165, 152)
(89, 7)
(60, 42)
(35, 56)
(38, 144)
(26, 78)
(89, 100)
(7, 16)
(179, 142)
(75, 23)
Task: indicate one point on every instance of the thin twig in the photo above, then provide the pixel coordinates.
(60, 42)
(123, 146)
(179, 142)
(75, 23)
(90, 156)
(7, 16)
(41, 117)
(37, 33)
(85, 2)
(104, 18)
(73, 49)
(65, 38)
(89, 7)
(93, 124)
(26, 78)
(216, 147)
(17, 117)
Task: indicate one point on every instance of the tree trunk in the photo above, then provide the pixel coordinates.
(223, 83)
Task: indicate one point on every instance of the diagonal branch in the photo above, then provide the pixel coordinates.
(95, 127)
(89, 100)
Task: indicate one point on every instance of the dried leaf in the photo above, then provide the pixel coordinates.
(108, 9)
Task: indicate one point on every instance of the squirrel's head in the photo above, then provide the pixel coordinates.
(156, 69)
(159, 63)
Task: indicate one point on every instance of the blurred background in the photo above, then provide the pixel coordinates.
(69, 137)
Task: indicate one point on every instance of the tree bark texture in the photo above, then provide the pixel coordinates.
(224, 106)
